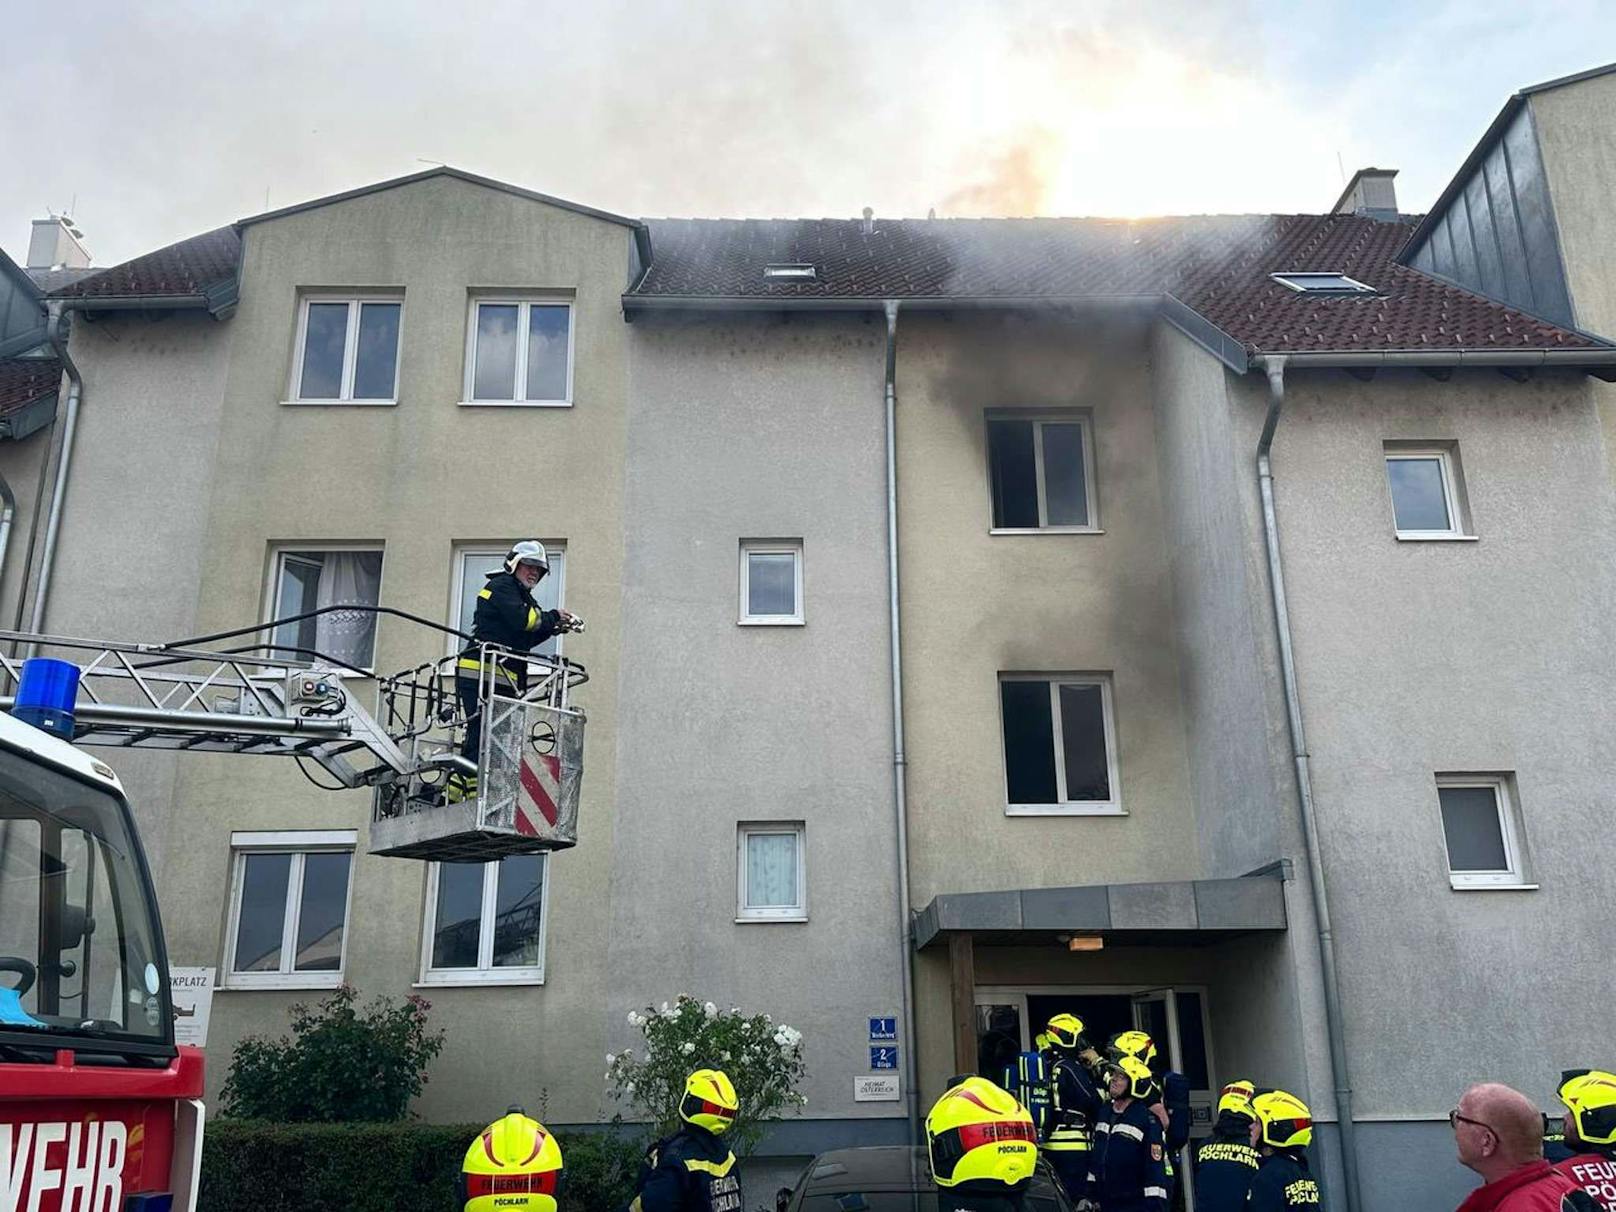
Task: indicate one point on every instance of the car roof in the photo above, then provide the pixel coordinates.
(881, 1168)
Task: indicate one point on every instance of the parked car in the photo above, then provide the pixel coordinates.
(893, 1179)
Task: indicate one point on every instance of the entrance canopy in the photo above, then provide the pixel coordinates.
(1174, 914)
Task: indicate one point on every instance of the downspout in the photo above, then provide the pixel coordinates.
(1304, 791)
(900, 779)
(53, 525)
(8, 512)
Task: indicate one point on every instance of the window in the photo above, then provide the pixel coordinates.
(472, 566)
(306, 580)
(1323, 284)
(772, 884)
(289, 909)
(1479, 826)
(771, 581)
(1041, 468)
(791, 272)
(521, 352)
(485, 922)
(1059, 744)
(347, 350)
(1427, 500)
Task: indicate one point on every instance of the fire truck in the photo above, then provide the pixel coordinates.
(100, 1111)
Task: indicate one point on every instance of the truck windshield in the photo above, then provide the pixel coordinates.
(80, 949)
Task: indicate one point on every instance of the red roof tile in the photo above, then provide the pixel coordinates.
(1217, 265)
(24, 380)
(184, 269)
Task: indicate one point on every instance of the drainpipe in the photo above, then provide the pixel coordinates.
(8, 512)
(900, 779)
(1304, 791)
(75, 389)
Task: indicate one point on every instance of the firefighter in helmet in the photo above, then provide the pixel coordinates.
(1589, 1096)
(1074, 1099)
(693, 1170)
(1225, 1162)
(514, 1165)
(506, 615)
(1281, 1130)
(1128, 1163)
(983, 1148)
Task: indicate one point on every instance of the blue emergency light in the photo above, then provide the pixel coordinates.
(46, 694)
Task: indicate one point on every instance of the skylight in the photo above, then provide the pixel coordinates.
(1323, 284)
(791, 272)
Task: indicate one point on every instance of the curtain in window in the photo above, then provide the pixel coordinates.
(349, 578)
(771, 870)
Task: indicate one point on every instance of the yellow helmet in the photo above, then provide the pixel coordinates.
(1236, 1097)
(1286, 1121)
(1066, 1031)
(1136, 1044)
(1590, 1098)
(709, 1101)
(977, 1133)
(1141, 1082)
(514, 1164)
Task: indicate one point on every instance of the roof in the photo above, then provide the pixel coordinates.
(24, 380)
(895, 1168)
(443, 170)
(188, 272)
(54, 279)
(1217, 267)
(1491, 136)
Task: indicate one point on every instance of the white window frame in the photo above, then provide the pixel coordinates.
(272, 586)
(524, 304)
(350, 349)
(484, 973)
(458, 571)
(1111, 807)
(1446, 454)
(298, 843)
(1040, 417)
(1514, 876)
(745, 913)
(751, 547)
(1306, 282)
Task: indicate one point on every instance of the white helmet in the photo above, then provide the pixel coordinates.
(528, 551)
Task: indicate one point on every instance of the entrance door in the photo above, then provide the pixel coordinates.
(1175, 1019)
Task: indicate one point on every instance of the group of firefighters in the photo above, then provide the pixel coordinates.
(1112, 1125)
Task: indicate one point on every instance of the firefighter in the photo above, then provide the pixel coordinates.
(1128, 1163)
(982, 1146)
(693, 1170)
(1028, 1078)
(1225, 1163)
(506, 615)
(1172, 1105)
(1074, 1102)
(1281, 1130)
(1589, 1096)
(514, 1165)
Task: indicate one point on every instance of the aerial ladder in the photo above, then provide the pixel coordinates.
(210, 695)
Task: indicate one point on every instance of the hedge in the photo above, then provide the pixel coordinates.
(249, 1166)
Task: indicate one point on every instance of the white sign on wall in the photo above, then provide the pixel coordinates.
(191, 990)
(875, 1089)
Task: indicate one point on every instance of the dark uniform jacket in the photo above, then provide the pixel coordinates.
(1128, 1163)
(1075, 1103)
(1176, 1098)
(690, 1171)
(1595, 1172)
(506, 615)
(1225, 1164)
(1282, 1182)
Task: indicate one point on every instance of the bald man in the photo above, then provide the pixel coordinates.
(1499, 1135)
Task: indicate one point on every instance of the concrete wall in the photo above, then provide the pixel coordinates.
(188, 420)
(1416, 658)
(757, 428)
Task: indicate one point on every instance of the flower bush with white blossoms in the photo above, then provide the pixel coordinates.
(763, 1058)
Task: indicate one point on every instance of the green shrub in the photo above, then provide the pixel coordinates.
(344, 1063)
(375, 1167)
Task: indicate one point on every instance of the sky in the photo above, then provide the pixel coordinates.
(154, 121)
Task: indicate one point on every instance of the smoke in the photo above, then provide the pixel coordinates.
(1017, 182)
